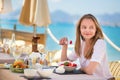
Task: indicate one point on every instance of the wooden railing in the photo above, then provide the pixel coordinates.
(20, 35)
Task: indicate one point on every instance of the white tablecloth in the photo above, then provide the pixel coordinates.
(16, 76)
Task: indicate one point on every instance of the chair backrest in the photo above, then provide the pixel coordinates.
(115, 68)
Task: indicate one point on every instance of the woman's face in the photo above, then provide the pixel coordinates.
(88, 29)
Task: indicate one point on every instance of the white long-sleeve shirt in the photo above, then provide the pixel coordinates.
(99, 55)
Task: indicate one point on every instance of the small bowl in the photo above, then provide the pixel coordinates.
(16, 70)
(45, 72)
(30, 73)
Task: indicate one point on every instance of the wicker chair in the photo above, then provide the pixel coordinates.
(115, 69)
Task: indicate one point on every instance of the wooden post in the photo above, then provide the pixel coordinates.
(34, 44)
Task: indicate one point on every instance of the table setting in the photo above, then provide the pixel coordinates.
(34, 66)
(36, 70)
(41, 72)
(33, 74)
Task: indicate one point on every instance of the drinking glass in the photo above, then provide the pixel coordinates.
(43, 60)
(50, 57)
(41, 48)
(27, 49)
(6, 44)
(17, 52)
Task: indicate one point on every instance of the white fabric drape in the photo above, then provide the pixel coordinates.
(111, 43)
(106, 38)
(42, 17)
(55, 39)
(35, 12)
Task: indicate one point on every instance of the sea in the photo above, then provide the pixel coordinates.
(60, 30)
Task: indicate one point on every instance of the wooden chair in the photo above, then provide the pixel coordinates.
(115, 69)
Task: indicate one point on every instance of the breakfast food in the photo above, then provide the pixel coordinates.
(68, 63)
(68, 66)
(18, 66)
(70, 42)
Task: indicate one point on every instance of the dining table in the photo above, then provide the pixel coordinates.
(6, 74)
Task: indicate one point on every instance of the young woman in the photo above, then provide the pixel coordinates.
(90, 48)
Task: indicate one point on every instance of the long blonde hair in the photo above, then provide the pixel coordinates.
(79, 37)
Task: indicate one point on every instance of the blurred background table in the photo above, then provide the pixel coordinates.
(6, 58)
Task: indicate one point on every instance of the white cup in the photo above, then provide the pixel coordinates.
(30, 72)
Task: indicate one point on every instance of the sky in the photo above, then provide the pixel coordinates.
(74, 7)
(85, 6)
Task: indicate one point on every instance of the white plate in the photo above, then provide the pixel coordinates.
(67, 68)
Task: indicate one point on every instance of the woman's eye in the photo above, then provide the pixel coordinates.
(83, 27)
(91, 27)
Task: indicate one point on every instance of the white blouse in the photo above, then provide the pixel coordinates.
(99, 55)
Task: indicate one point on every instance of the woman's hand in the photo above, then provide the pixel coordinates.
(63, 41)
